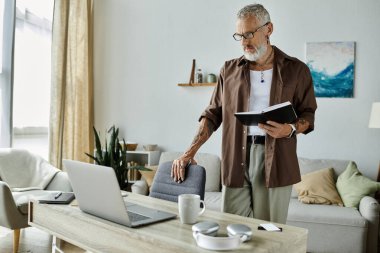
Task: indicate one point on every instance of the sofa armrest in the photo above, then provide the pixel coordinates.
(140, 187)
(10, 217)
(60, 182)
(369, 209)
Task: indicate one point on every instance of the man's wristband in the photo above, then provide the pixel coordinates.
(293, 132)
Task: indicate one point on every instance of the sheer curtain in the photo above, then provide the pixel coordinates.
(32, 75)
(1, 34)
(6, 75)
(71, 115)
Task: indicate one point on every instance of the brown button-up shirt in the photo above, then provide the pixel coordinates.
(292, 82)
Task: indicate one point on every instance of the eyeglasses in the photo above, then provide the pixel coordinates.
(247, 35)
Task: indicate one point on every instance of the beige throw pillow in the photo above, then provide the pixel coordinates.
(318, 187)
(148, 176)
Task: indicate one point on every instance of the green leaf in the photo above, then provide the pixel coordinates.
(98, 144)
(94, 158)
(113, 155)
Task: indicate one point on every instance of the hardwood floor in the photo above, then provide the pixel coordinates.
(32, 240)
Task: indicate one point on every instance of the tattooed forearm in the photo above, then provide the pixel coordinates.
(302, 125)
(205, 130)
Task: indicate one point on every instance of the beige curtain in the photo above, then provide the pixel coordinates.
(71, 113)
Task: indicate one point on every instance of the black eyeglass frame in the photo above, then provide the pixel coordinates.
(247, 35)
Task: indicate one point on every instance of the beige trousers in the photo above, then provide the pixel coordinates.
(255, 199)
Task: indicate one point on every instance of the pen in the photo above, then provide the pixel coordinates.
(57, 195)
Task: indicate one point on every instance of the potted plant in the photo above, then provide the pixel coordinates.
(113, 155)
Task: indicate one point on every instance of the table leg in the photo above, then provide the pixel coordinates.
(55, 248)
(377, 194)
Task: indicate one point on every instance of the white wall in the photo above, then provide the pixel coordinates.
(143, 48)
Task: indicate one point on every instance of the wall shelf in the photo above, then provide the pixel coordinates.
(144, 157)
(141, 157)
(196, 84)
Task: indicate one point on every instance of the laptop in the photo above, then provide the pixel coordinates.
(97, 192)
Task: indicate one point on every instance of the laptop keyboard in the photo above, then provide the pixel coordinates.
(136, 217)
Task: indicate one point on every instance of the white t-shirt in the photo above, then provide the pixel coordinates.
(260, 92)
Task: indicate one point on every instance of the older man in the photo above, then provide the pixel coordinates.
(259, 163)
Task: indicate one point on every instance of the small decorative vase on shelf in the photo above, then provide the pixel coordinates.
(211, 78)
(199, 76)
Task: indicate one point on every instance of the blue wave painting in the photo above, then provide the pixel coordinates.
(339, 85)
(332, 68)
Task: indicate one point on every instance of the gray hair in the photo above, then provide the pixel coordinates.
(255, 10)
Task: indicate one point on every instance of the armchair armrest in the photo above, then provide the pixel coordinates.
(60, 182)
(140, 187)
(9, 215)
(369, 209)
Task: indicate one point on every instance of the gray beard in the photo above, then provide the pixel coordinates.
(260, 52)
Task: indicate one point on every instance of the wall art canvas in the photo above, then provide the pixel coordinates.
(332, 68)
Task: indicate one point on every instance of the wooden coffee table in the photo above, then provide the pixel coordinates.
(91, 233)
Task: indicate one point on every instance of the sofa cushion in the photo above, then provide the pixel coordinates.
(353, 186)
(213, 201)
(60, 182)
(330, 228)
(22, 198)
(149, 175)
(210, 162)
(309, 165)
(325, 214)
(140, 187)
(318, 187)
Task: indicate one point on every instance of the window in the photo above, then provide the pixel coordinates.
(1, 34)
(1, 50)
(32, 70)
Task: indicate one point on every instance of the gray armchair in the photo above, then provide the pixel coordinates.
(164, 187)
(211, 163)
(25, 176)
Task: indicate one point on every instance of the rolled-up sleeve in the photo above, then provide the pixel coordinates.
(306, 102)
(213, 111)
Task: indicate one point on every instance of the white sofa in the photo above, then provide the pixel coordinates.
(331, 228)
(335, 228)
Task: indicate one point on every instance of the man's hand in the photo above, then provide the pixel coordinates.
(205, 130)
(179, 166)
(276, 130)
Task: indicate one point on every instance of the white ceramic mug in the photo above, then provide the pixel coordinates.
(189, 208)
